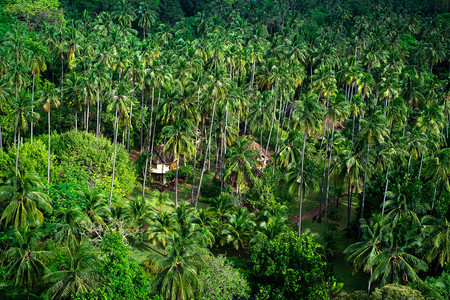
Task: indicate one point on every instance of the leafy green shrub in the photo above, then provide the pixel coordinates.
(288, 268)
(93, 157)
(220, 280)
(396, 292)
(211, 190)
(184, 172)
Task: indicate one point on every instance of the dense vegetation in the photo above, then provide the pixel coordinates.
(309, 140)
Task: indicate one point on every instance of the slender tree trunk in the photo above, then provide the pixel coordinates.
(270, 135)
(97, 129)
(301, 186)
(176, 182)
(323, 175)
(253, 74)
(364, 187)
(224, 149)
(278, 132)
(154, 131)
(349, 201)
(196, 147)
(1, 140)
(142, 112)
(407, 172)
(129, 127)
(420, 168)
(114, 159)
(148, 146)
(48, 148)
(434, 194)
(328, 178)
(87, 116)
(17, 151)
(370, 282)
(385, 190)
(76, 121)
(32, 109)
(206, 154)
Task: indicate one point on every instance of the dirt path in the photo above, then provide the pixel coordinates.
(314, 212)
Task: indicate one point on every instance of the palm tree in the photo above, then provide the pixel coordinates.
(139, 212)
(306, 115)
(37, 65)
(373, 129)
(363, 253)
(438, 239)
(239, 229)
(77, 275)
(22, 114)
(439, 171)
(119, 103)
(24, 201)
(94, 206)
(26, 262)
(148, 16)
(178, 265)
(241, 163)
(69, 229)
(48, 98)
(179, 143)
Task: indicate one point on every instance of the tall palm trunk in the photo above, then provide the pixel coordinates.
(208, 147)
(48, 148)
(349, 201)
(270, 134)
(88, 106)
(17, 151)
(322, 185)
(176, 182)
(328, 178)
(195, 152)
(278, 132)
(131, 116)
(148, 146)
(114, 159)
(434, 194)
(154, 130)
(1, 140)
(97, 129)
(142, 113)
(301, 185)
(407, 172)
(32, 110)
(420, 168)
(364, 187)
(385, 190)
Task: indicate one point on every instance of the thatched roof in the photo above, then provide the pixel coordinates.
(261, 151)
(161, 156)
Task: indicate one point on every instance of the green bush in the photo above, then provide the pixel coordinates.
(396, 292)
(93, 157)
(220, 280)
(184, 172)
(288, 268)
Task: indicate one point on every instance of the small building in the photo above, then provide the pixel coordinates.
(162, 162)
(261, 154)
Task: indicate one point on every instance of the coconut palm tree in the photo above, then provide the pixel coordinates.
(24, 201)
(437, 233)
(178, 266)
(307, 115)
(119, 104)
(77, 275)
(240, 165)
(179, 143)
(26, 261)
(373, 129)
(439, 171)
(22, 113)
(47, 98)
(239, 229)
